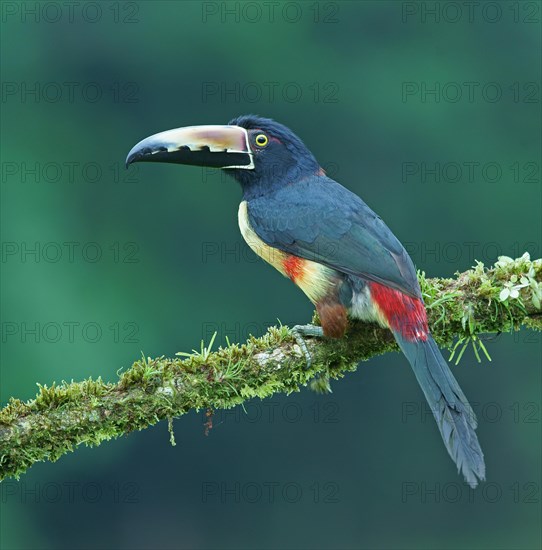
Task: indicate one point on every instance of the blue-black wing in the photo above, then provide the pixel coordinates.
(318, 219)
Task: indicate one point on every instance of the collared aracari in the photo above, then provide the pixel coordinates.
(333, 246)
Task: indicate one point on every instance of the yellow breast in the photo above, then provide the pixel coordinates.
(314, 279)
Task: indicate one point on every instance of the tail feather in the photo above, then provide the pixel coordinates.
(455, 417)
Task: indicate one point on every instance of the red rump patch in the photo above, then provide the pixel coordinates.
(293, 266)
(404, 314)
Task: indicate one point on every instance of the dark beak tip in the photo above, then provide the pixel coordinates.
(133, 156)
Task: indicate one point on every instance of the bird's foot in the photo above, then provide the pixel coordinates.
(300, 332)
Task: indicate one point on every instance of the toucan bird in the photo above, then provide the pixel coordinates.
(333, 246)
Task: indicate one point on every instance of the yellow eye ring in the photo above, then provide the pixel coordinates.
(261, 140)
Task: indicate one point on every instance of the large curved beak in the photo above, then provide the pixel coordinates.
(214, 146)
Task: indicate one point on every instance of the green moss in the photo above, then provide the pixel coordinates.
(92, 411)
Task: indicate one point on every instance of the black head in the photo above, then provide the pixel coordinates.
(279, 156)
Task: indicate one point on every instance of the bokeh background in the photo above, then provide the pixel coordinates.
(430, 111)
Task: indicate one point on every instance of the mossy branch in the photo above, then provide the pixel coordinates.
(478, 301)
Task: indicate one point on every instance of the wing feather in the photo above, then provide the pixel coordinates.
(318, 219)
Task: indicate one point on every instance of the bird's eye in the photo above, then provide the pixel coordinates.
(261, 140)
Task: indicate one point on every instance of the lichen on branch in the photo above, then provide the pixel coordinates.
(61, 417)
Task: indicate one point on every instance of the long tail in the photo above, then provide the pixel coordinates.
(455, 417)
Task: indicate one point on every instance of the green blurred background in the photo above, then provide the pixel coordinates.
(151, 261)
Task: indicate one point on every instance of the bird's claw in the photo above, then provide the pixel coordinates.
(300, 332)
